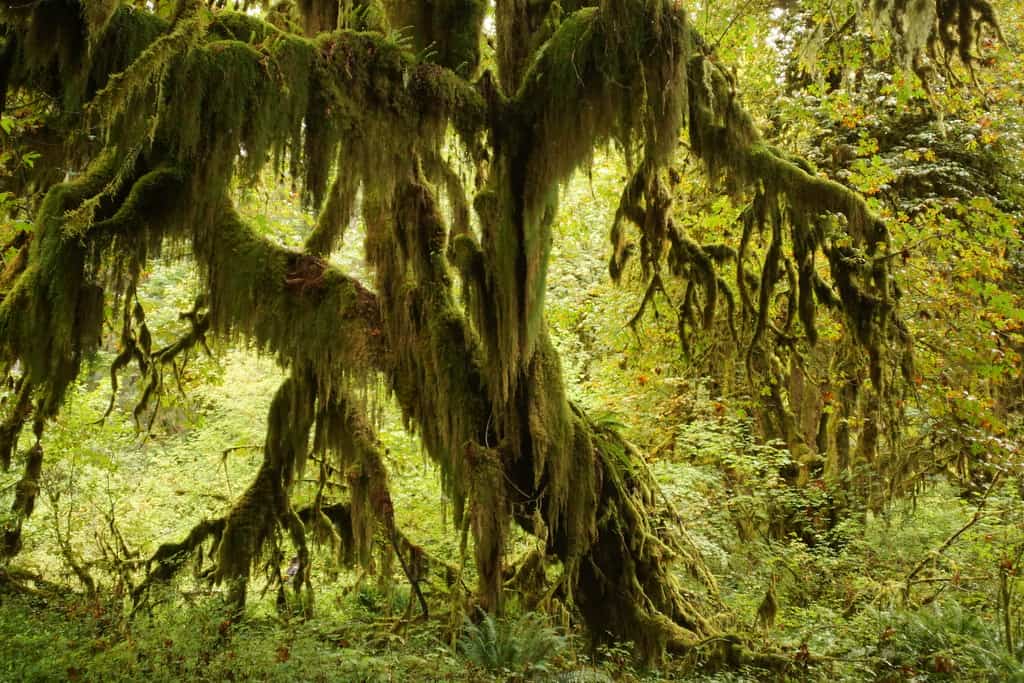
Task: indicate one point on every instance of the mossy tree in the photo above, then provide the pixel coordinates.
(164, 111)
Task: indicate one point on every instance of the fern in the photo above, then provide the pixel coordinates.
(948, 637)
(521, 646)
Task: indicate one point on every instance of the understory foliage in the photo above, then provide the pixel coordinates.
(393, 113)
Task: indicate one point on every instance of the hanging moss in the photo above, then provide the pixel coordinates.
(53, 314)
(69, 51)
(922, 29)
(123, 38)
(252, 88)
(570, 101)
(725, 137)
(265, 504)
(25, 492)
(169, 558)
(433, 344)
(14, 421)
(336, 214)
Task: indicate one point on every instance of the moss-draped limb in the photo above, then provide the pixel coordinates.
(342, 428)
(291, 305)
(209, 86)
(266, 503)
(242, 536)
(169, 558)
(288, 305)
(24, 502)
(725, 137)
(14, 421)
(431, 342)
(51, 317)
(807, 215)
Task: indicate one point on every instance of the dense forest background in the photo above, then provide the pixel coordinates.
(361, 341)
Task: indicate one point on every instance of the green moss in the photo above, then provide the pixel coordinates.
(210, 87)
(287, 304)
(335, 215)
(225, 25)
(572, 99)
(920, 29)
(25, 493)
(122, 39)
(13, 422)
(798, 205)
(436, 348)
(265, 504)
(53, 314)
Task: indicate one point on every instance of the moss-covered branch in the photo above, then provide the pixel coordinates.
(25, 493)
